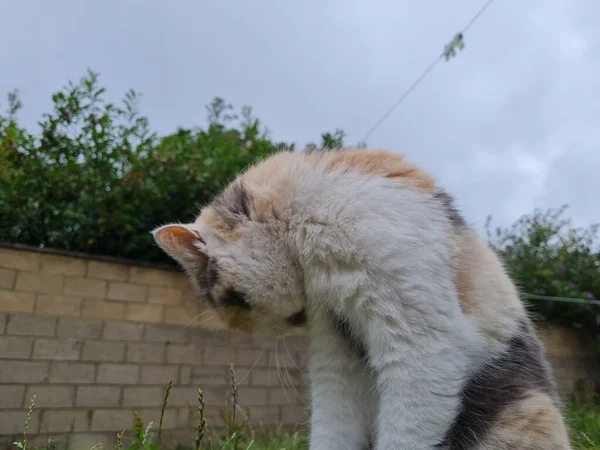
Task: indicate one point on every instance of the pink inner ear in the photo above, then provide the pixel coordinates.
(178, 240)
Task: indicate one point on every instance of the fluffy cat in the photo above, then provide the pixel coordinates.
(417, 337)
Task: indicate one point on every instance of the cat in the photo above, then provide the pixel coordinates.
(418, 339)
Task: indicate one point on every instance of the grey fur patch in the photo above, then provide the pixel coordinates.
(233, 205)
(234, 299)
(210, 278)
(500, 383)
(451, 211)
(354, 342)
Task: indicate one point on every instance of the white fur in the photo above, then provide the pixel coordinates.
(379, 256)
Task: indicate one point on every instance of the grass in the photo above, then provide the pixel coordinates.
(239, 435)
(584, 422)
(583, 419)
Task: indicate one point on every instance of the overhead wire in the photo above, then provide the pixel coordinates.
(428, 70)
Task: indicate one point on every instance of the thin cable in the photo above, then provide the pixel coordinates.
(401, 99)
(424, 73)
(563, 299)
(476, 16)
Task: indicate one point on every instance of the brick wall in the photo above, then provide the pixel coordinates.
(95, 340)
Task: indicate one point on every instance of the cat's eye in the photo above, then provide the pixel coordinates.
(298, 319)
(235, 299)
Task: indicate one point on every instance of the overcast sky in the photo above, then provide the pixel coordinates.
(511, 124)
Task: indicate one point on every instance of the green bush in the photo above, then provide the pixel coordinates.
(546, 256)
(97, 179)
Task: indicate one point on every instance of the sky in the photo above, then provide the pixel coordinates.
(509, 125)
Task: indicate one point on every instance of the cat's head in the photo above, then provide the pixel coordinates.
(237, 257)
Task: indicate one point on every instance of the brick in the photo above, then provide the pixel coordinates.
(7, 278)
(122, 331)
(165, 333)
(210, 375)
(178, 354)
(153, 415)
(13, 421)
(72, 372)
(62, 265)
(159, 375)
(79, 328)
(184, 416)
(11, 301)
(242, 340)
(118, 373)
(127, 292)
(175, 315)
(267, 415)
(19, 259)
(23, 372)
(165, 295)
(85, 287)
(95, 309)
(111, 419)
(11, 396)
(103, 351)
(31, 325)
(187, 396)
(107, 271)
(216, 395)
(281, 396)
(2, 323)
(207, 338)
(219, 355)
(143, 396)
(98, 396)
(185, 375)
(190, 296)
(144, 313)
(295, 343)
(256, 358)
(61, 349)
(58, 305)
(51, 396)
(264, 377)
(156, 277)
(252, 396)
(64, 421)
(13, 347)
(44, 283)
(294, 414)
(145, 352)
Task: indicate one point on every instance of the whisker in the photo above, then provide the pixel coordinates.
(188, 327)
(199, 316)
(200, 323)
(293, 360)
(281, 380)
(250, 369)
(290, 378)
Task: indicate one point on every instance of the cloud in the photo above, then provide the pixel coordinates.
(510, 124)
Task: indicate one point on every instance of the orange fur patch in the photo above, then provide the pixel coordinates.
(467, 295)
(534, 423)
(381, 163)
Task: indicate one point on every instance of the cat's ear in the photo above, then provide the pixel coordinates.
(184, 243)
